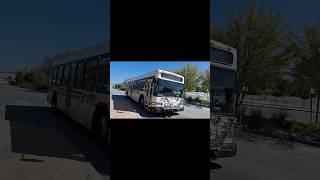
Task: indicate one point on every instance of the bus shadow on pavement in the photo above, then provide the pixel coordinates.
(213, 165)
(271, 142)
(193, 105)
(123, 103)
(36, 131)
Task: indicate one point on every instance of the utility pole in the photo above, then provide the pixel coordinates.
(316, 122)
(311, 98)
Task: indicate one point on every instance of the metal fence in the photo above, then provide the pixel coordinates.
(295, 108)
(200, 95)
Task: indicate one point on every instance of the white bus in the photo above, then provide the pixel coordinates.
(223, 73)
(157, 91)
(78, 87)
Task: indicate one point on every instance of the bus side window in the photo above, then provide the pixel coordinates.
(90, 74)
(102, 78)
(59, 75)
(66, 75)
(144, 81)
(54, 74)
(62, 75)
(79, 75)
(138, 84)
(73, 74)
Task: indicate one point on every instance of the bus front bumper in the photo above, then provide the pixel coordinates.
(162, 110)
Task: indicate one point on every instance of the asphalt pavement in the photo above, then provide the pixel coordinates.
(123, 104)
(264, 158)
(37, 145)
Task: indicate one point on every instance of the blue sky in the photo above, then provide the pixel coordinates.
(32, 29)
(119, 71)
(299, 12)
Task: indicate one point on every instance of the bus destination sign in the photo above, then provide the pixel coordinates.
(172, 77)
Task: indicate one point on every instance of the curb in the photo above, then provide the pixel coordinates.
(312, 143)
(290, 138)
(197, 104)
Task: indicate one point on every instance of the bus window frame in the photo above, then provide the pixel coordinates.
(60, 74)
(102, 88)
(89, 60)
(73, 73)
(66, 77)
(79, 74)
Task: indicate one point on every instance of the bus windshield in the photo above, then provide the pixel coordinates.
(222, 90)
(168, 88)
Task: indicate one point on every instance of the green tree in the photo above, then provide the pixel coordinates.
(19, 76)
(263, 45)
(191, 74)
(307, 65)
(38, 77)
(195, 80)
(205, 81)
(283, 87)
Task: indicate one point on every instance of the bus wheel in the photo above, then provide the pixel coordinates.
(141, 102)
(101, 130)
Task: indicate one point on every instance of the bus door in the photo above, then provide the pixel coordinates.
(149, 91)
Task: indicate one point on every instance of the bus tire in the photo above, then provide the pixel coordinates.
(101, 130)
(141, 101)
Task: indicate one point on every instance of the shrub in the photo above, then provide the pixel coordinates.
(205, 103)
(255, 119)
(197, 99)
(189, 99)
(278, 119)
(311, 129)
(120, 86)
(296, 127)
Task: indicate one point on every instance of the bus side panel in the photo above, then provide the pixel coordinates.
(49, 95)
(99, 100)
(61, 100)
(82, 109)
(75, 97)
(136, 95)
